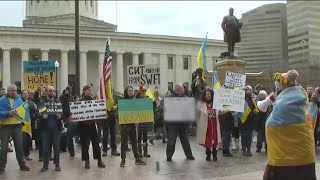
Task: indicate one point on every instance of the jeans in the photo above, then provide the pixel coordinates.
(175, 129)
(51, 137)
(246, 138)
(15, 132)
(261, 137)
(110, 124)
(143, 135)
(128, 131)
(26, 140)
(71, 128)
(226, 138)
(89, 133)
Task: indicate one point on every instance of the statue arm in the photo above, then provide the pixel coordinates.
(223, 24)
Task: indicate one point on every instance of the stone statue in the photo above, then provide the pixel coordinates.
(231, 27)
(198, 84)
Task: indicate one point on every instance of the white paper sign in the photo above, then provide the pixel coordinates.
(179, 109)
(235, 80)
(230, 99)
(88, 110)
(143, 74)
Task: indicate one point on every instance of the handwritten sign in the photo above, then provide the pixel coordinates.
(135, 111)
(38, 73)
(143, 74)
(88, 110)
(230, 99)
(179, 109)
(235, 80)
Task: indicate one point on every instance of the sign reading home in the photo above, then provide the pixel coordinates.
(235, 80)
(143, 74)
(135, 111)
(88, 110)
(230, 99)
(38, 73)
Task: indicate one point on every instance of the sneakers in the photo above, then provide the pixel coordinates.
(24, 168)
(123, 163)
(87, 165)
(104, 154)
(169, 159)
(226, 153)
(44, 169)
(40, 159)
(101, 164)
(140, 162)
(190, 158)
(115, 153)
(27, 158)
(248, 153)
(71, 156)
(58, 168)
(258, 150)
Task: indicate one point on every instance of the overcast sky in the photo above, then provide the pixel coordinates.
(178, 18)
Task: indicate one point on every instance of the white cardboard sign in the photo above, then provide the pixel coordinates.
(235, 80)
(88, 110)
(179, 109)
(230, 99)
(143, 74)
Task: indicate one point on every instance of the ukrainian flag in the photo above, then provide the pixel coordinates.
(244, 115)
(150, 94)
(289, 133)
(313, 110)
(215, 81)
(201, 59)
(23, 114)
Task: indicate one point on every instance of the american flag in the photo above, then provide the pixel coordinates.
(104, 91)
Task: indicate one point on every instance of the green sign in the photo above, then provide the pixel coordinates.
(135, 111)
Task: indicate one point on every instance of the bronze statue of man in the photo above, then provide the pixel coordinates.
(231, 27)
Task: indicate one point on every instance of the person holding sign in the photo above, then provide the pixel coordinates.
(129, 130)
(144, 127)
(208, 128)
(88, 132)
(10, 125)
(50, 126)
(178, 128)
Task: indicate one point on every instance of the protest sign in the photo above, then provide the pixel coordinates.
(230, 99)
(179, 109)
(38, 73)
(235, 80)
(135, 111)
(50, 108)
(143, 74)
(88, 110)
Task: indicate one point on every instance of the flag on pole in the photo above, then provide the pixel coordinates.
(215, 81)
(105, 91)
(201, 59)
(23, 114)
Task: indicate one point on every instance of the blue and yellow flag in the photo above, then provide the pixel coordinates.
(201, 59)
(313, 110)
(149, 93)
(215, 81)
(23, 114)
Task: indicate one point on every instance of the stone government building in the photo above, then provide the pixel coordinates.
(48, 34)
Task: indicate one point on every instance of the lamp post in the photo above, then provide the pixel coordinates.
(56, 65)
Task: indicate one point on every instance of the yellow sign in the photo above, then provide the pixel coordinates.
(34, 80)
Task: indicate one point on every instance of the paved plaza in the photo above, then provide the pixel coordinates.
(235, 168)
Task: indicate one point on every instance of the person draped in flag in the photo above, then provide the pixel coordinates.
(26, 136)
(246, 121)
(10, 125)
(289, 132)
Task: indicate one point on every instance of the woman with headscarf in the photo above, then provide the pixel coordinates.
(208, 128)
(289, 133)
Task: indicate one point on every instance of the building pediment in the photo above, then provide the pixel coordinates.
(68, 21)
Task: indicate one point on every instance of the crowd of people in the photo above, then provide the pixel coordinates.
(216, 129)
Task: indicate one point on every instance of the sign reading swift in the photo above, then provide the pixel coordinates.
(38, 73)
(143, 74)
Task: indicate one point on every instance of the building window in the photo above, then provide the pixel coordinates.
(140, 61)
(35, 57)
(170, 62)
(170, 86)
(185, 63)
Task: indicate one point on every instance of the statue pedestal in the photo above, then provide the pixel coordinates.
(236, 65)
